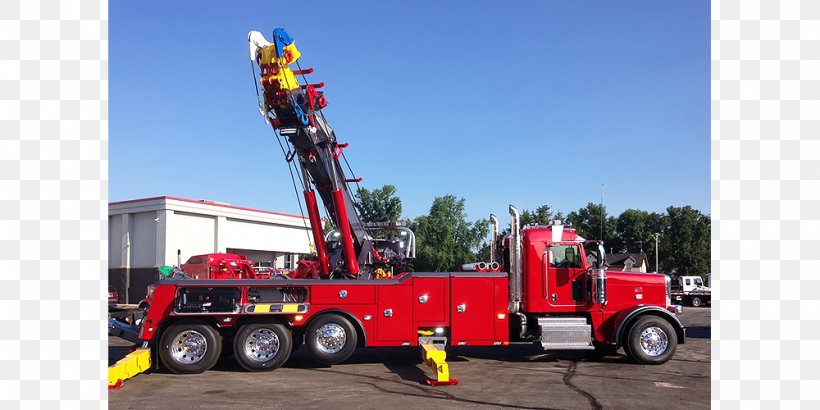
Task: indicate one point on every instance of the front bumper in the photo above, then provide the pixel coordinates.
(676, 309)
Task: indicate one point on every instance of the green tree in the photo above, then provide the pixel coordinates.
(541, 216)
(587, 222)
(654, 223)
(685, 247)
(632, 232)
(444, 237)
(379, 205)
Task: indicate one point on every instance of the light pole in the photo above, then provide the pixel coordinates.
(657, 237)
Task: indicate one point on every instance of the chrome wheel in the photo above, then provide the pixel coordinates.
(188, 347)
(654, 341)
(261, 345)
(331, 338)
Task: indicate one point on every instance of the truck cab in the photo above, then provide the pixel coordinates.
(562, 296)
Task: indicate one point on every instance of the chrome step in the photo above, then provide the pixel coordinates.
(565, 333)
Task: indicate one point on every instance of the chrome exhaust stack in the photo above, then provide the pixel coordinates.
(493, 237)
(474, 267)
(515, 261)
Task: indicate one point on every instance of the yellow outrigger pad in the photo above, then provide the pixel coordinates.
(436, 360)
(129, 366)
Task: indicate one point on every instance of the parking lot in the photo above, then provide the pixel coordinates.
(521, 377)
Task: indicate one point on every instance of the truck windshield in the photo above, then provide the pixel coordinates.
(698, 282)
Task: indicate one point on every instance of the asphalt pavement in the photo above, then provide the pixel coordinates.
(518, 377)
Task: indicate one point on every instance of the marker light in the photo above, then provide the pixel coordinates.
(439, 330)
(501, 316)
(298, 318)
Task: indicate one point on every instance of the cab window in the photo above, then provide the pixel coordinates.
(698, 282)
(564, 256)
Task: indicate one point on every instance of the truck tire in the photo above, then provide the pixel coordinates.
(330, 339)
(188, 348)
(696, 302)
(651, 340)
(262, 346)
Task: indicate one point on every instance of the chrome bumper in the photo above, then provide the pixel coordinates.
(676, 309)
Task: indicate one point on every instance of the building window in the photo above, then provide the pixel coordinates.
(262, 266)
(628, 265)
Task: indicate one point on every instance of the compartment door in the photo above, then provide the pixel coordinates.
(394, 314)
(429, 300)
(471, 312)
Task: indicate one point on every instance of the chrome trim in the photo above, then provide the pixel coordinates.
(493, 237)
(676, 309)
(515, 261)
(188, 347)
(654, 341)
(331, 338)
(599, 286)
(261, 345)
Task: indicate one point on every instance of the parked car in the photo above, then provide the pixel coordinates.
(113, 295)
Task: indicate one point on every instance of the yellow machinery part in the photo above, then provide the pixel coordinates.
(284, 78)
(129, 366)
(436, 360)
(293, 52)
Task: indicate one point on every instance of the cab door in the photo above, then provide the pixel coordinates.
(565, 269)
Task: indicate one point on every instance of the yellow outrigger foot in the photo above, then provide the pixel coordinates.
(129, 366)
(435, 358)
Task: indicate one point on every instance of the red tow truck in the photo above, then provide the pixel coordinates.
(548, 286)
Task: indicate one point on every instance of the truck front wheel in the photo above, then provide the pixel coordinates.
(696, 302)
(651, 340)
(190, 348)
(262, 346)
(331, 339)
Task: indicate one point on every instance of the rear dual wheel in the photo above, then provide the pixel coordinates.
(189, 348)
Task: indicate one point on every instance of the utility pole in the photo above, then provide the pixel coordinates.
(657, 237)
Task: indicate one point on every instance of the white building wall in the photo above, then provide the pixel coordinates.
(192, 234)
(144, 240)
(115, 241)
(258, 235)
(158, 227)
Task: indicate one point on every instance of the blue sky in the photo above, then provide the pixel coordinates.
(526, 103)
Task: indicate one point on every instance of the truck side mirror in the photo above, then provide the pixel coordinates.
(601, 256)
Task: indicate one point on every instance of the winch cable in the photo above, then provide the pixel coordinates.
(295, 189)
(290, 165)
(258, 97)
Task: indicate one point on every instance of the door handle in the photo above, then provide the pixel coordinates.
(388, 312)
(461, 308)
(423, 299)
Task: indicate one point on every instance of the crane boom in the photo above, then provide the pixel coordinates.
(294, 111)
